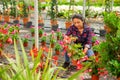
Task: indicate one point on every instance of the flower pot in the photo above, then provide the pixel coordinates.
(68, 24)
(58, 38)
(33, 46)
(43, 43)
(57, 52)
(0, 53)
(95, 77)
(32, 34)
(25, 20)
(52, 45)
(0, 17)
(25, 44)
(40, 35)
(118, 78)
(6, 18)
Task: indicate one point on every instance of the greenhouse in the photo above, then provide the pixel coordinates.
(59, 39)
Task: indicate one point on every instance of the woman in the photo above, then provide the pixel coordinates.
(84, 34)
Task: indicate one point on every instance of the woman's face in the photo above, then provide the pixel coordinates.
(78, 23)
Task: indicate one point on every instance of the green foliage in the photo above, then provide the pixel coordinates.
(21, 70)
(112, 21)
(76, 51)
(58, 46)
(114, 67)
(110, 50)
(32, 30)
(40, 31)
(43, 39)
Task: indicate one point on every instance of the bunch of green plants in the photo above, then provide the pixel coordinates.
(110, 49)
(21, 70)
(58, 46)
(76, 51)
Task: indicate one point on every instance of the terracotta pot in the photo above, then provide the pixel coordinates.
(57, 52)
(52, 45)
(118, 78)
(25, 20)
(40, 35)
(25, 44)
(68, 24)
(33, 46)
(0, 17)
(17, 18)
(6, 18)
(58, 38)
(53, 22)
(33, 34)
(43, 43)
(40, 21)
(95, 77)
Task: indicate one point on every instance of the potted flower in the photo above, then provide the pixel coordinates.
(25, 40)
(53, 13)
(40, 30)
(59, 34)
(43, 39)
(32, 30)
(52, 42)
(57, 48)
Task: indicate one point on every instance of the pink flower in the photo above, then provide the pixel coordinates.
(52, 32)
(97, 42)
(39, 27)
(27, 36)
(58, 30)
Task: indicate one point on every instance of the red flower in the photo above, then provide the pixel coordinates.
(79, 65)
(5, 31)
(9, 40)
(1, 45)
(55, 58)
(34, 52)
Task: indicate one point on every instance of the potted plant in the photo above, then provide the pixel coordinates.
(53, 13)
(43, 39)
(59, 34)
(25, 40)
(32, 30)
(6, 10)
(40, 18)
(40, 30)
(0, 15)
(57, 49)
(25, 12)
